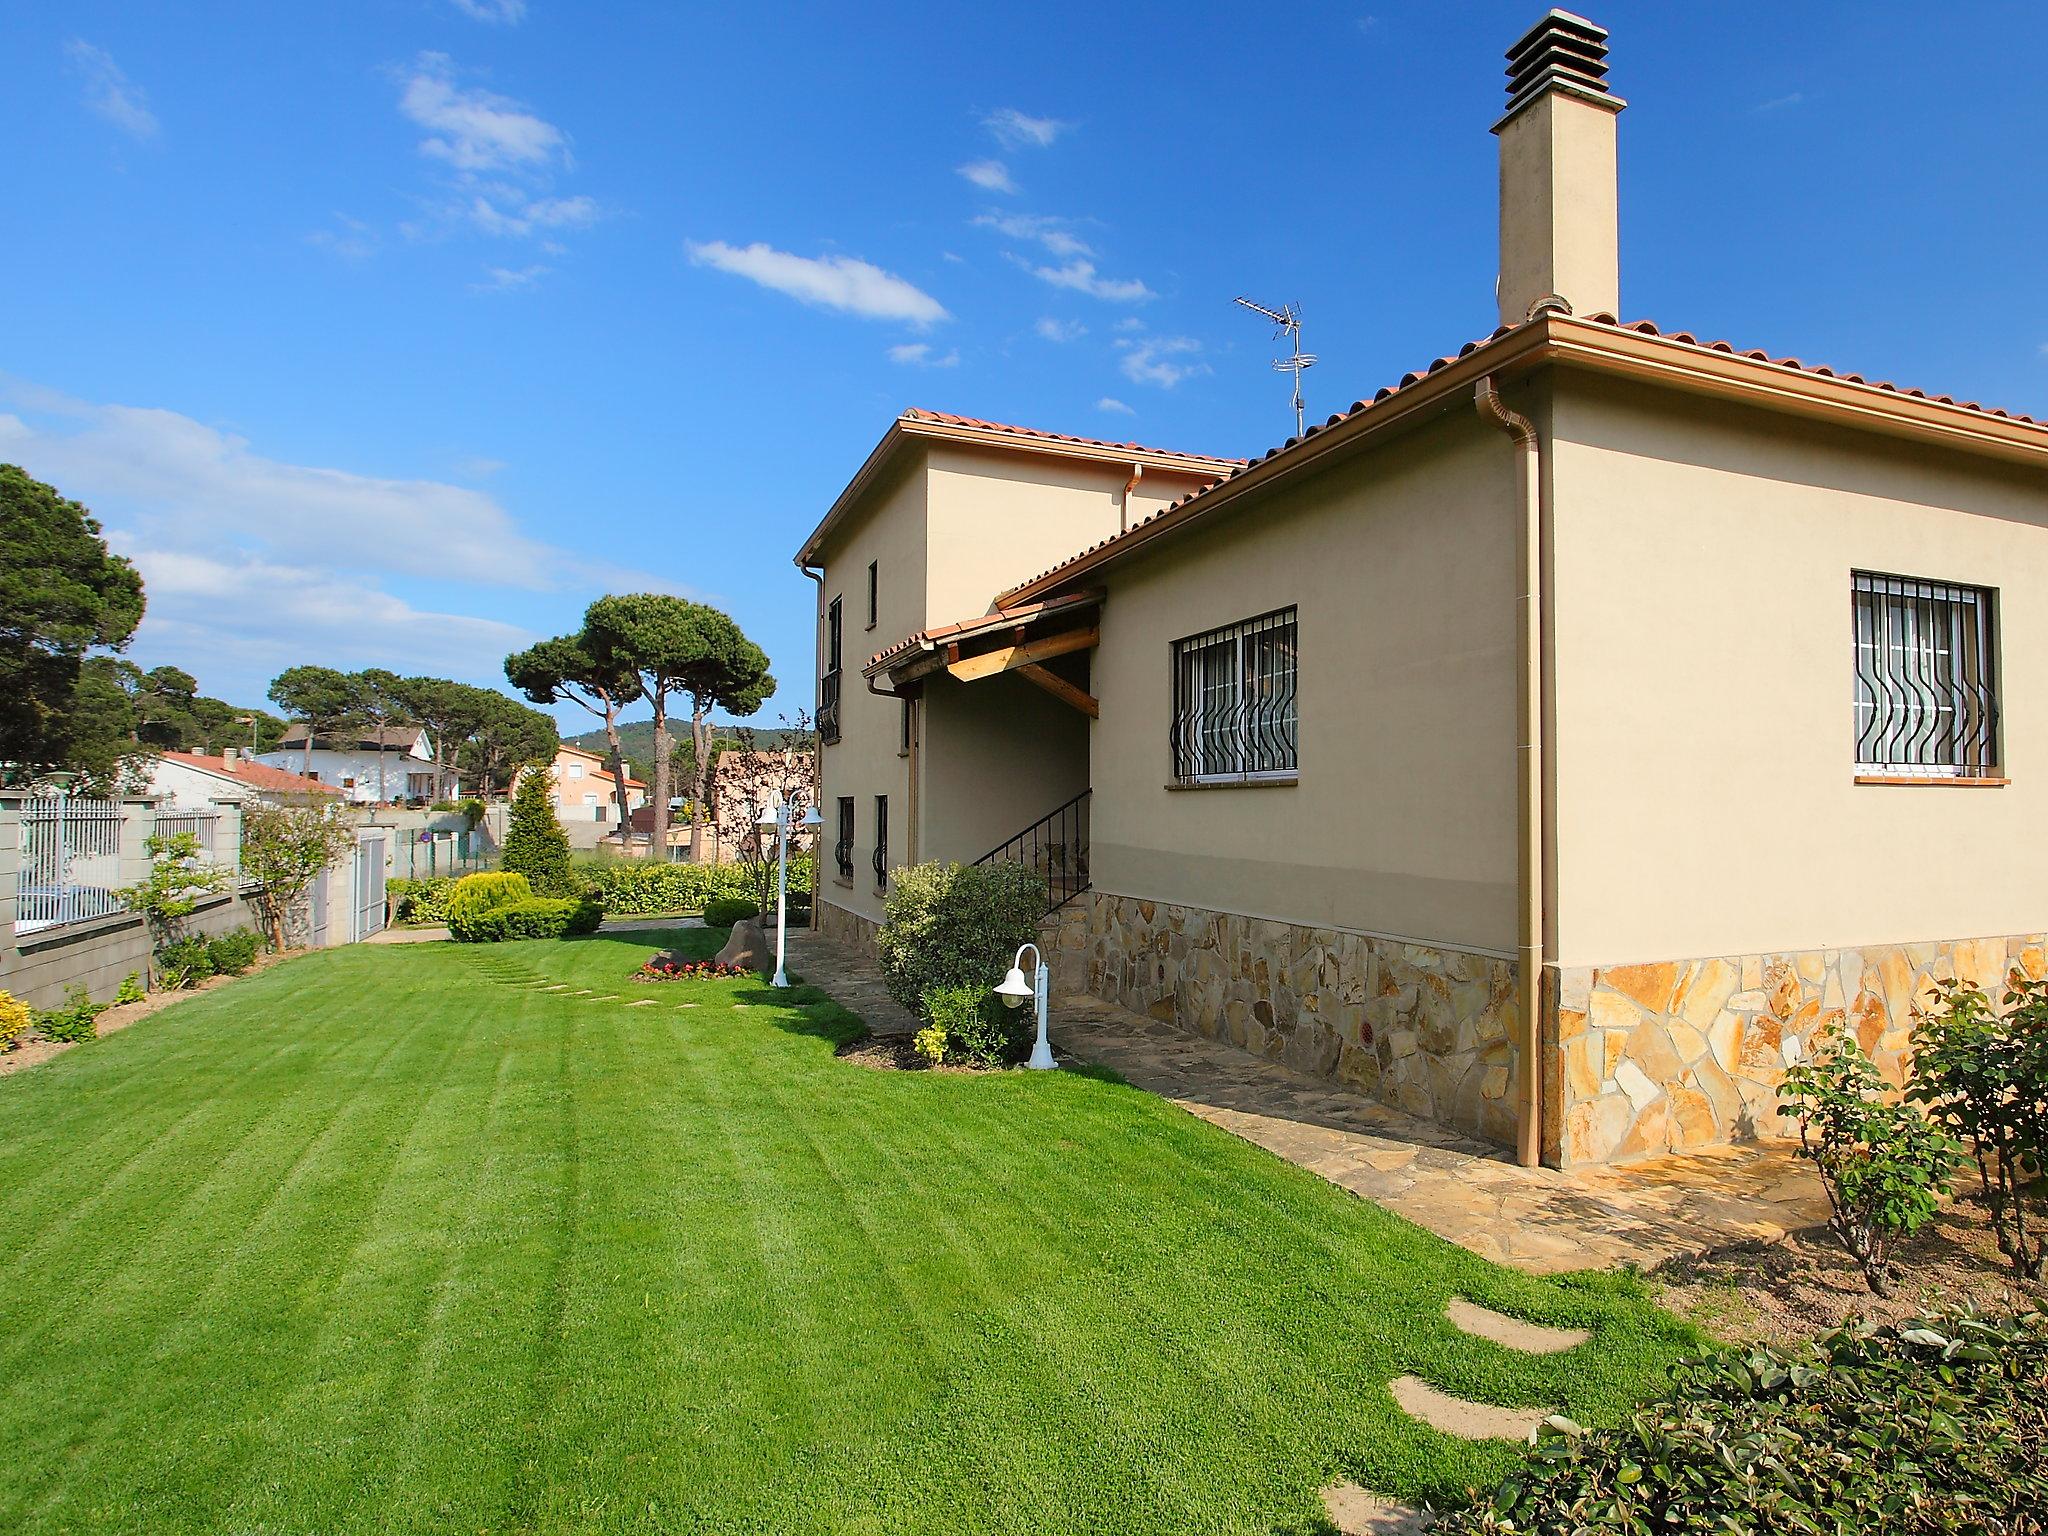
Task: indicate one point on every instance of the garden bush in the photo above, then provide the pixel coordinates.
(1940, 1427)
(183, 963)
(131, 989)
(1883, 1164)
(77, 1020)
(474, 895)
(233, 953)
(420, 901)
(970, 1024)
(535, 845)
(724, 911)
(534, 917)
(955, 925)
(1986, 1078)
(639, 887)
(15, 1019)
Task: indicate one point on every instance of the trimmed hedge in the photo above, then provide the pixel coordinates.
(535, 917)
(420, 901)
(475, 896)
(1937, 1427)
(724, 911)
(637, 887)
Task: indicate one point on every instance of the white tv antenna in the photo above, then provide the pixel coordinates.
(1288, 318)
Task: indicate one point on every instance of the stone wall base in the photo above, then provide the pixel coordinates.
(1683, 1054)
(842, 926)
(1062, 937)
(1429, 1030)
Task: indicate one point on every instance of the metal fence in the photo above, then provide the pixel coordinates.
(200, 824)
(70, 861)
(426, 854)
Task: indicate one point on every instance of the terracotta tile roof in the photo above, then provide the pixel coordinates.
(1008, 618)
(1408, 380)
(253, 775)
(947, 418)
(393, 737)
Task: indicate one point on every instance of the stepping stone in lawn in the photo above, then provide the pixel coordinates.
(1512, 1332)
(689, 1005)
(1468, 1421)
(1357, 1513)
(641, 1002)
(582, 992)
(560, 986)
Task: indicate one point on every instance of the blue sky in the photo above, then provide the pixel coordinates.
(391, 332)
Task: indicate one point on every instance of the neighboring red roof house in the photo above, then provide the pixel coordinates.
(195, 778)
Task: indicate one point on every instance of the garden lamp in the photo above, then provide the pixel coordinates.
(777, 816)
(1015, 991)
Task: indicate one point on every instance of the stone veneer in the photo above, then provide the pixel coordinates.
(1688, 1053)
(1427, 1029)
(842, 926)
(1062, 936)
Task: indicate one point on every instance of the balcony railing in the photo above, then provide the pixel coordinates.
(828, 706)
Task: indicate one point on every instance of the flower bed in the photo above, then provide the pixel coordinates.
(668, 968)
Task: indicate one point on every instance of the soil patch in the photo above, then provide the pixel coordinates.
(113, 1020)
(1786, 1291)
(895, 1053)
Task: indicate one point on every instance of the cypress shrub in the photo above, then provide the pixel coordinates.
(535, 845)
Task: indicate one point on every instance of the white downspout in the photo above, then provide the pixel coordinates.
(1529, 914)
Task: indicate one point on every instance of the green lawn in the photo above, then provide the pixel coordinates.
(385, 1239)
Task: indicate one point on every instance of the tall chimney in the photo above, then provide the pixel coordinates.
(1559, 228)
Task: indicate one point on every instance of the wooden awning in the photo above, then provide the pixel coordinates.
(1018, 640)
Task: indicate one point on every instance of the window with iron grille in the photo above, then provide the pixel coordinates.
(874, 588)
(1926, 677)
(828, 685)
(1234, 712)
(842, 850)
(881, 842)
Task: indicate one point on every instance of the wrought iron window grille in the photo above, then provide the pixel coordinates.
(1234, 703)
(1926, 695)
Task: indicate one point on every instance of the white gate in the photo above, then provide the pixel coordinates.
(369, 885)
(316, 927)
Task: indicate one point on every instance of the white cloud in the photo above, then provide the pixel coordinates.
(522, 217)
(1777, 103)
(477, 467)
(1161, 360)
(474, 130)
(1055, 234)
(497, 12)
(1060, 330)
(832, 282)
(919, 354)
(180, 485)
(1017, 131)
(510, 279)
(989, 175)
(1081, 276)
(1115, 406)
(1129, 323)
(2044, 349)
(351, 240)
(109, 92)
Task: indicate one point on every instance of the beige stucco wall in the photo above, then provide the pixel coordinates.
(1000, 518)
(1703, 737)
(866, 760)
(998, 754)
(1403, 822)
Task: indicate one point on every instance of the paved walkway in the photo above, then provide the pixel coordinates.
(1535, 1219)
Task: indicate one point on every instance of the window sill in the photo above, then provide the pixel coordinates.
(1922, 781)
(1275, 781)
(844, 882)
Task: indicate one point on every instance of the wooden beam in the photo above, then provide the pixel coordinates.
(1061, 689)
(1004, 658)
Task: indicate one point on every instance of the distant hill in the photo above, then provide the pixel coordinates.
(637, 740)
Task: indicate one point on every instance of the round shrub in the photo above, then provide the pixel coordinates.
(955, 925)
(476, 895)
(15, 1019)
(233, 953)
(533, 917)
(724, 911)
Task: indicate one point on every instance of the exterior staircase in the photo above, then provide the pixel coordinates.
(1056, 848)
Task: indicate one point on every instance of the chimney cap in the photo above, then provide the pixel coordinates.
(1564, 51)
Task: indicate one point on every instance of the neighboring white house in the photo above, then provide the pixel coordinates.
(193, 781)
(370, 767)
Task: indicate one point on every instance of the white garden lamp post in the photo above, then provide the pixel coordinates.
(1015, 991)
(778, 817)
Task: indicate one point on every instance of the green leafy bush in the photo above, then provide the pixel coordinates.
(475, 895)
(638, 887)
(131, 990)
(973, 1025)
(1940, 1427)
(1883, 1164)
(724, 911)
(77, 1020)
(183, 963)
(930, 1043)
(535, 917)
(420, 901)
(233, 953)
(955, 925)
(1986, 1078)
(15, 1019)
(535, 845)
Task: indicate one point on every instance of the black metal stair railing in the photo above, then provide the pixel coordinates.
(1056, 847)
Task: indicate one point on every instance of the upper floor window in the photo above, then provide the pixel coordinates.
(1926, 677)
(1234, 702)
(575, 770)
(874, 588)
(833, 628)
